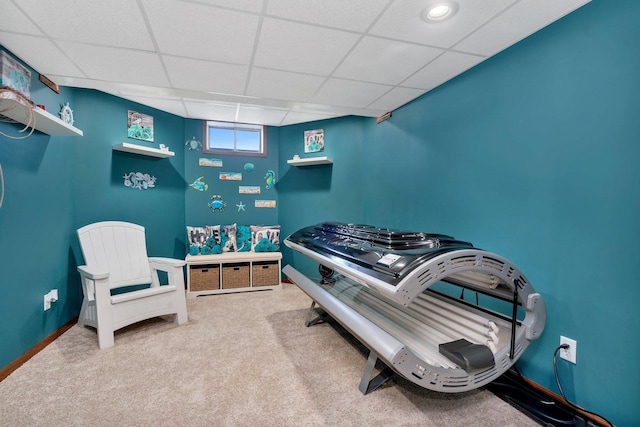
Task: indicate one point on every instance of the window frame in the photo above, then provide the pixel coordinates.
(207, 124)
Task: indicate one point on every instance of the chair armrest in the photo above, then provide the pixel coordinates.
(92, 274)
(165, 264)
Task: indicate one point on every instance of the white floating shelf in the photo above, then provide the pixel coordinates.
(141, 149)
(12, 106)
(310, 161)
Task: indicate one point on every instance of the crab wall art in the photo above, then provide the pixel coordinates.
(216, 203)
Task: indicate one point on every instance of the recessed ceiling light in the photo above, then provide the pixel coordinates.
(439, 11)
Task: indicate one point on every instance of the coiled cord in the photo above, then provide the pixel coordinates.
(1, 186)
(17, 98)
(573, 405)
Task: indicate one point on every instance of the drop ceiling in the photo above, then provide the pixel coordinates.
(273, 62)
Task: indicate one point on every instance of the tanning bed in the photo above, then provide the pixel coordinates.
(402, 295)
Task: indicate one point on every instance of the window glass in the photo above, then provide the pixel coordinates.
(234, 138)
(221, 139)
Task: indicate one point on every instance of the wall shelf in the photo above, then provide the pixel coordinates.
(310, 161)
(142, 150)
(13, 107)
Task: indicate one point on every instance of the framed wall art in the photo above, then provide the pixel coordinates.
(139, 126)
(314, 141)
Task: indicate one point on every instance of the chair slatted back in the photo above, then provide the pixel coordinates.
(119, 248)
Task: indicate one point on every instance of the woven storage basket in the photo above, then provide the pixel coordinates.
(266, 273)
(204, 278)
(235, 275)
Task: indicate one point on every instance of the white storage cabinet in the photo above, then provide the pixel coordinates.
(233, 272)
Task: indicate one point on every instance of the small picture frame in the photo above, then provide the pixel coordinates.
(314, 141)
(139, 126)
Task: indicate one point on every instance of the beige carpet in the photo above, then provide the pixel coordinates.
(242, 360)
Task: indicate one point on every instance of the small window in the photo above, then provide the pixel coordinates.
(235, 139)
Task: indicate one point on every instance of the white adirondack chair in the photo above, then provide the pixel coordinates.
(115, 256)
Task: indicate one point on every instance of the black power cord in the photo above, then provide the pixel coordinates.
(555, 372)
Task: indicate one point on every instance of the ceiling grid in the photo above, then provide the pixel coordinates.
(272, 62)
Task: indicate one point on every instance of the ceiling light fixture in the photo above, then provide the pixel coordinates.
(439, 11)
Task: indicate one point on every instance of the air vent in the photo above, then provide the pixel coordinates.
(425, 277)
(452, 382)
(462, 261)
(482, 376)
(492, 263)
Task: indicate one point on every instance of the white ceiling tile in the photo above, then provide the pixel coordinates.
(12, 19)
(403, 20)
(384, 61)
(211, 111)
(264, 55)
(268, 116)
(516, 23)
(40, 53)
(302, 48)
(200, 31)
(205, 76)
(283, 85)
(396, 97)
(119, 65)
(294, 117)
(120, 22)
(444, 68)
(246, 5)
(173, 106)
(349, 93)
(355, 15)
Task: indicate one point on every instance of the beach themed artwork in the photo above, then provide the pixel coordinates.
(193, 144)
(139, 126)
(216, 163)
(139, 180)
(265, 204)
(270, 179)
(216, 204)
(66, 113)
(241, 206)
(230, 176)
(249, 189)
(313, 141)
(199, 184)
(249, 167)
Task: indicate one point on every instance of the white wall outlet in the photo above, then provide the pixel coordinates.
(51, 296)
(570, 353)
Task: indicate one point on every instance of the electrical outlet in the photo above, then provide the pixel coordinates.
(51, 296)
(570, 353)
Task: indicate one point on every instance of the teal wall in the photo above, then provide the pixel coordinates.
(312, 194)
(99, 190)
(531, 155)
(54, 185)
(37, 222)
(197, 211)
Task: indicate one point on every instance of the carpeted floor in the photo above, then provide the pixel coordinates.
(242, 360)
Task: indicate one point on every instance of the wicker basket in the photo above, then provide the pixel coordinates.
(235, 275)
(204, 278)
(266, 273)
